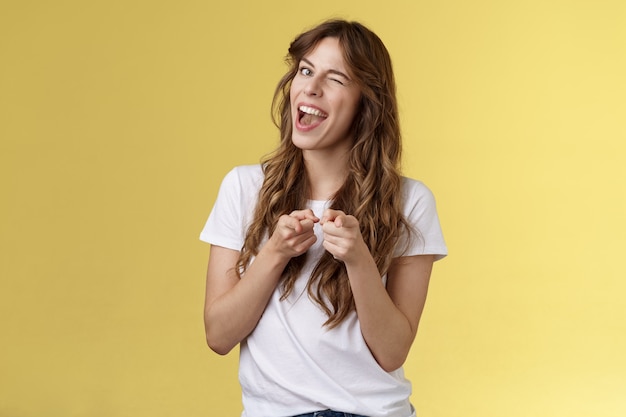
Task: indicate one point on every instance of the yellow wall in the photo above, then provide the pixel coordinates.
(118, 120)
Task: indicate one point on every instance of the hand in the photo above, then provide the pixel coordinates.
(293, 234)
(342, 235)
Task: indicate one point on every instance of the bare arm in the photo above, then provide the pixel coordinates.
(389, 316)
(233, 306)
(389, 319)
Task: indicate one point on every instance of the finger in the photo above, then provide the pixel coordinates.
(344, 227)
(291, 223)
(306, 234)
(339, 220)
(303, 245)
(304, 214)
(307, 225)
(330, 215)
(346, 221)
(334, 228)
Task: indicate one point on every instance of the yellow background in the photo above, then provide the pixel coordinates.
(118, 120)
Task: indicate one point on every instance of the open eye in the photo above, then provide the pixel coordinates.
(305, 71)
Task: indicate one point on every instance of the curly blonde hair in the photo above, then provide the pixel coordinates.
(372, 189)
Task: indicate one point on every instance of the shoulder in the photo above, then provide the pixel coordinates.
(244, 176)
(415, 191)
(245, 172)
(420, 210)
(418, 202)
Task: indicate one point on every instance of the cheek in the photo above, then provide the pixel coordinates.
(295, 86)
(352, 113)
(294, 90)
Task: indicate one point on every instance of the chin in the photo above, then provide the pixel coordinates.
(301, 143)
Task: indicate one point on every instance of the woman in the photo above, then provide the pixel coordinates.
(321, 255)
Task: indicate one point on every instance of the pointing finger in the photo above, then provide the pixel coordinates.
(330, 215)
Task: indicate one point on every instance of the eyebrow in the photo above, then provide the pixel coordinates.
(332, 71)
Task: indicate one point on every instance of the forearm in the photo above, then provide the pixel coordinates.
(386, 330)
(234, 306)
(232, 316)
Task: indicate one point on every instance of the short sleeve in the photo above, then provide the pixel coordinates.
(420, 210)
(233, 208)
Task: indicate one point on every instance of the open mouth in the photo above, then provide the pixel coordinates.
(310, 116)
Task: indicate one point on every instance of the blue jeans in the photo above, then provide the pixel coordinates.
(328, 413)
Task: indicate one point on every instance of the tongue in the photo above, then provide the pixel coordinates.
(309, 119)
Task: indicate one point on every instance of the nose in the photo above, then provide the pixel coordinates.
(313, 87)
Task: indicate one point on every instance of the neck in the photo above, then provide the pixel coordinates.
(326, 174)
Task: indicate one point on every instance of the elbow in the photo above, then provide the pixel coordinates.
(216, 340)
(218, 344)
(394, 355)
(220, 350)
(391, 361)
(392, 364)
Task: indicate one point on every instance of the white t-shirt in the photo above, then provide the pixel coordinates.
(291, 364)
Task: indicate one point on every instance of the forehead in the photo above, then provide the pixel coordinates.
(328, 52)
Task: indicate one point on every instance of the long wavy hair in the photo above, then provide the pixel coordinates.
(372, 189)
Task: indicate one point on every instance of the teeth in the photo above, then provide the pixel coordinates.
(311, 110)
